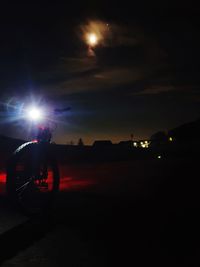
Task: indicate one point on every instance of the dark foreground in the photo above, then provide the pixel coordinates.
(134, 213)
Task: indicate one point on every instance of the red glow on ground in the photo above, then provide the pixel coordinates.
(2, 183)
(66, 183)
(70, 184)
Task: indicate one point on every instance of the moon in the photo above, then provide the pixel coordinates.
(92, 39)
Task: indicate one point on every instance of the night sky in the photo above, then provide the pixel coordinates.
(142, 76)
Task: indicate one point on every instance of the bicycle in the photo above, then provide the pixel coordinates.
(32, 174)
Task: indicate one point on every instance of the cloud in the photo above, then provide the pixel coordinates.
(126, 56)
(101, 80)
(77, 64)
(89, 76)
(157, 89)
(85, 79)
(190, 91)
(122, 35)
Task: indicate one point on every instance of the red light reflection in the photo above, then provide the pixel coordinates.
(2, 183)
(66, 183)
(70, 184)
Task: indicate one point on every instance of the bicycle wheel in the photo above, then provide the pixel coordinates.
(32, 178)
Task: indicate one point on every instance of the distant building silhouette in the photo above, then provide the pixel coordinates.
(102, 144)
(126, 144)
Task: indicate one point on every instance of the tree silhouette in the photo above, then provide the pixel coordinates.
(80, 142)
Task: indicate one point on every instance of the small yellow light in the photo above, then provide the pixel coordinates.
(135, 144)
(170, 139)
(159, 157)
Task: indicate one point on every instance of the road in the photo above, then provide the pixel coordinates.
(130, 213)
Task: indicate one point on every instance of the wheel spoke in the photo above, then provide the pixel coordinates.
(23, 186)
(21, 190)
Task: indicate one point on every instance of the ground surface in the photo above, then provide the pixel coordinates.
(134, 213)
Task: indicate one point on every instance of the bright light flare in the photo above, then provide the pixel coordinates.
(34, 114)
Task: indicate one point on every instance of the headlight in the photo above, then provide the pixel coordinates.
(34, 114)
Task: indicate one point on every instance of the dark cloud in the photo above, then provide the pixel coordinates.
(121, 63)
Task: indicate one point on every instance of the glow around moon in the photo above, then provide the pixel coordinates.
(95, 33)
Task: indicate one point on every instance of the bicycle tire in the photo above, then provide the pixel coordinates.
(25, 174)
